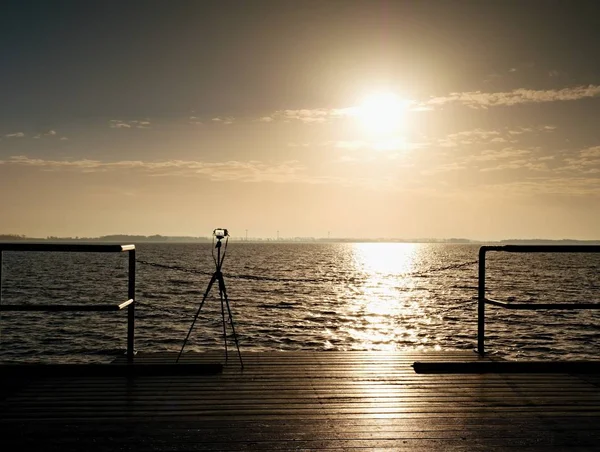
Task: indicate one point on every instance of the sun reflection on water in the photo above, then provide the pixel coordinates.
(386, 299)
(385, 258)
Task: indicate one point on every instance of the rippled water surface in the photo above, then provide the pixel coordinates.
(355, 296)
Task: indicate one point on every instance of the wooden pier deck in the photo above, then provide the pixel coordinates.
(304, 401)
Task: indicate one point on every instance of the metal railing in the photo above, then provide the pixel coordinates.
(79, 248)
(482, 300)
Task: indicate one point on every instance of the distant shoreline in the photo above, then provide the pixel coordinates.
(184, 239)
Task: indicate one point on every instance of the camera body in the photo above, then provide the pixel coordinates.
(220, 233)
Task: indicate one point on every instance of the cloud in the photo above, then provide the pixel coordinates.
(392, 144)
(593, 152)
(324, 115)
(223, 120)
(15, 135)
(64, 139)
(117, 124)
(477, 136)
(138, 124)
(444, 168)
(249, 171)
(312, 115)
(305, 115)
(478, 99)
(47, 133)
(585, 186)
(521, 130)
(468, 137)
(492, 155)
(512, 165)
(583, 162)
(252, 171)
(508, 158)
(472, 99)
(587, 161)
(351, 144)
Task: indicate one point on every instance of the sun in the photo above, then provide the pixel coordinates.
(382, 113)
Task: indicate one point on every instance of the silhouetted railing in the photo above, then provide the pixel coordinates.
(482, 300)
(77, 248)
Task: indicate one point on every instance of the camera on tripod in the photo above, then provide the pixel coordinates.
(220, 233)
(217, 277)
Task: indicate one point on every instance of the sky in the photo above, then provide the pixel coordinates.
(441, 119)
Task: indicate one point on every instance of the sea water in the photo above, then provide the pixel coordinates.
(300, 296)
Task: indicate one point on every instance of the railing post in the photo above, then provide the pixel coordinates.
(131, 307)
(481, 303)
(1, 252)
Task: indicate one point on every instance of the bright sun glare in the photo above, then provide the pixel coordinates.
(382, 113)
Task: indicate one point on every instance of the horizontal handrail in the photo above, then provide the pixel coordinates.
(65, 307)
(66, 247)
(80, 248)
(535, 306)
(542, 248)
(483, 300)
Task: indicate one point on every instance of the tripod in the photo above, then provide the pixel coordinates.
(218, 277)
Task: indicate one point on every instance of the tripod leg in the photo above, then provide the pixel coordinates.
(221, 290)
(235, 338)
(212, 281)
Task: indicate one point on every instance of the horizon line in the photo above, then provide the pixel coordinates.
(186, 238)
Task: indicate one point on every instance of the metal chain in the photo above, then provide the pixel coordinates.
(171, 312)
(173, 267)
(265, 278)
(315, 280)
(249, 277)
(439, 269)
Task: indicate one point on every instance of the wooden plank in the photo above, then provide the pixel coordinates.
(530, 367)
(103, 370)
(319, 401)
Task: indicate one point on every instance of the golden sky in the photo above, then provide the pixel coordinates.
(373, 118)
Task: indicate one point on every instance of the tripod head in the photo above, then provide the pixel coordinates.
(220, 234)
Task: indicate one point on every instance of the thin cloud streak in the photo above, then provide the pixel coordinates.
(225, 121)
(241, 171)
(478, 99)
(472, 99)
(250, 171)
(310, 115)
(587, 161)
(393, 144)
(480, 136)
(231, 171)
(138, 124)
